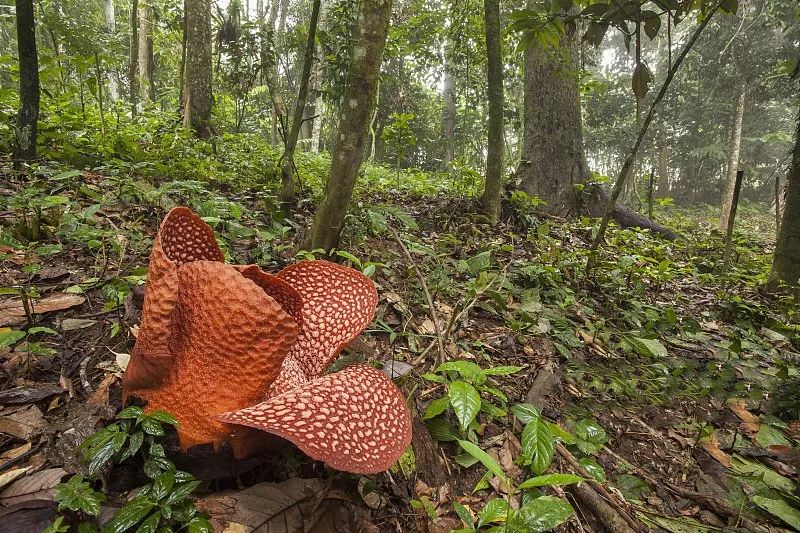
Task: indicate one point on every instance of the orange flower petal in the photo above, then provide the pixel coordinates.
(338, 303)
(354, 420)
(228, 339)
(182, 237)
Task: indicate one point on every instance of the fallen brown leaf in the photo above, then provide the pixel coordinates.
(35, 486)
(12, 309)
(23, 423)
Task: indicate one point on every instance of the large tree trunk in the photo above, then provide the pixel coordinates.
(197, 107)
(734, 149)
(28, 116)
(287, 159)
(448, 114)
(490, 200)
(553, 161)
(145, 65)
(133, 62)
(111, 26)
(786, 261)
(357, 106)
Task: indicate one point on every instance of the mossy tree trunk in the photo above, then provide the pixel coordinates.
(198, 96)
(287, 159)
(786, 261)
(355, 114)
(28, 116)
(490, 201)
(553, 160)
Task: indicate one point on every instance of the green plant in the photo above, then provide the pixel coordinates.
(163, 504)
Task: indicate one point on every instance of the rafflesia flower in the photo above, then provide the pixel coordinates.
(232, 351)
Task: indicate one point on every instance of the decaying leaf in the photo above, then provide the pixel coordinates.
(23, 423)
(750, 423)
(12, 311)
(293, 505)
(40, 485)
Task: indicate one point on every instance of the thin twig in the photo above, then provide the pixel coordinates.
(431, 308)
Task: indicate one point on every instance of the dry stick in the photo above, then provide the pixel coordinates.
(737, 187)
(600, 490)
(626, 166)
(431, 308)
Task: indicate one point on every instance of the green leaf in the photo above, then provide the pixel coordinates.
(550, 480)
(199, 524)
(468, 370)
(591, 436)
(776, 505)
(594, 469)
(130, 412)
(647, 347)
(42, 329)
(495, 510)
(8, 337)
(163, 483)
(164, 417)
(463, 514)
(134, 444)
(542, 514)
(78, 495)
(152, 427)
(179, 492)
(538, 445)
(441, 430)
(526, 412)
(436, 407)
(150, 524)
(466, 402)
(502, 370)
(100, 456)
(130, 515)
(652, 25)
(485, 459)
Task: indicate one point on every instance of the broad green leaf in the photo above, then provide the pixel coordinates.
(776, 505)
(163, 483)
(550, 480)
(526, 412)
(755, 469)
(163, 417)
(130, 412)
(441, 430)
(542, 514)
(150, 524)
(468, 370)
(647, 347)
(436, 407)
(594, 469)
(179, 492)
(78, 495)
(591, 436)
(130, 515)
(463, 513)
(495, 510)
(485, 459)
(10, 336)
(466, 402)
(538, 445)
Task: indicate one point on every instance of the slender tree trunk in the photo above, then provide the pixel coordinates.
(786, 261)
(145, 64)
(269, 68)
(28, 116)
(287, 159)
(197, 108)
(662, 183)
(355, 114)
(314, 106)
(448, 113)
(553, 160)
(111, 26)
(734, 149)
(133, 78)
(490, 201)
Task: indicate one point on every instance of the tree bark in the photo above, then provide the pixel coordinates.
(199, 99)
(355, 114)
(133, 81)
(490, 201)
(553, 160)
(786, 261)
(111, 26)
(662, 183)
(734, 149)
(28, 116)
(145, 65)
(287, 159)
(448, 113)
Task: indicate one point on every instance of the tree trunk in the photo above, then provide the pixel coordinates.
(786, 261)
(287, 159)
(133, 79)
(553, 161)
(448, 114)
(490, 201)
(144, 61)
(28, 117)
(197, 108)
(734, 149)
(111, 26)
(269, 69)
(357, 106)
(662, 184)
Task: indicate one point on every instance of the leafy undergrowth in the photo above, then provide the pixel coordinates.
(664, 375)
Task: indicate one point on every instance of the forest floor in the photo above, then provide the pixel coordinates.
(666, 376)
